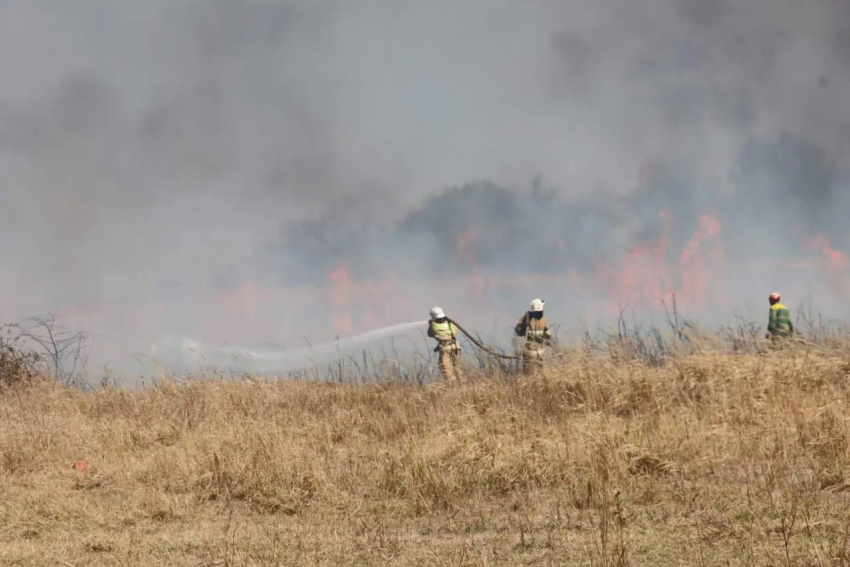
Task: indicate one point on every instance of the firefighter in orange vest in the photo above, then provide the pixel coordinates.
(534, 327)
(448, 348)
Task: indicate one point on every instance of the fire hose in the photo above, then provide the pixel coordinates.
(477, 343)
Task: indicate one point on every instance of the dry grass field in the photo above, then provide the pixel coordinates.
(706, 460)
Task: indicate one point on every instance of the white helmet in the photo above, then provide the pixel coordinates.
(537, 305)
(437, 313)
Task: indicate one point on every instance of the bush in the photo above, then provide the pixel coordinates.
(18, 363)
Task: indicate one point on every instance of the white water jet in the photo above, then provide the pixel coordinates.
(179, 355)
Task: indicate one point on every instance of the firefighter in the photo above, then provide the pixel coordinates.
(779, 322)
(445, 332)
(535, 329)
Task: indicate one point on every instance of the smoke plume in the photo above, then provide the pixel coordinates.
(254, 172)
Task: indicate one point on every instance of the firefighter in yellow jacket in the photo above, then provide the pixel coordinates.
(448, 348)
(779, 324)
(535, 329)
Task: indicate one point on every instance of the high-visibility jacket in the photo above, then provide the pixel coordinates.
(445, 333)
(533, 329)
(779, 324)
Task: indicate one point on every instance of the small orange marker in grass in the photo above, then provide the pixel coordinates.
(81, 466)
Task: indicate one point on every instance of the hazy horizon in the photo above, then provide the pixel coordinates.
(249, 173)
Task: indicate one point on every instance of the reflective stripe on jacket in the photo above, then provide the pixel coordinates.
(534, 330)
(445, 333)
(780, 321)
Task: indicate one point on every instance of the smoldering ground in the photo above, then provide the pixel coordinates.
(253, 172)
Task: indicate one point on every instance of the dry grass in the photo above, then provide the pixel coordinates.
(707, 460)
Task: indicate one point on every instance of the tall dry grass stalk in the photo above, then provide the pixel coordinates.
(703, 460)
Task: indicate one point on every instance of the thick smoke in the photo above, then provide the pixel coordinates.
(254, 172)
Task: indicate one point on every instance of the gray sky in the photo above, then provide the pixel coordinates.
(182, 167)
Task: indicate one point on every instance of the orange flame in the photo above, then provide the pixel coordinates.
(836, 259)
(642, 277)
(698, 270)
